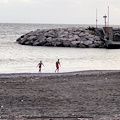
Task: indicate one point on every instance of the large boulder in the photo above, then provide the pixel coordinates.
(87, 43)
(58, 44)
(66, 43)
(75, 43)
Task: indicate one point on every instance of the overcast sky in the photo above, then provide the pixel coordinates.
(59, 11)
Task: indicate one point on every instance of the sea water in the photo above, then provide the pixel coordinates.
(16, 58)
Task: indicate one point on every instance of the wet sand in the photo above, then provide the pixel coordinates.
(77, 94)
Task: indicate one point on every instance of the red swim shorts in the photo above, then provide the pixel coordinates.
(57, 66)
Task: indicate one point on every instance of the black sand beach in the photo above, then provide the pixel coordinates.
(77, 94)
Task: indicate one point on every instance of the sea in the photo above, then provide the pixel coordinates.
(16, 58)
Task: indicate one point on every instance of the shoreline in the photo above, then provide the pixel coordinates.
(93, 93)
(83, 72)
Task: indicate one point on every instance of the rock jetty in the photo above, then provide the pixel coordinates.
(62, 37)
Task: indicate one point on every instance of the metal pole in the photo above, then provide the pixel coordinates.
(96, 18)
(105, 24)
(108, 16)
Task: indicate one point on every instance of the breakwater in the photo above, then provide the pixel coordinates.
(62, 37)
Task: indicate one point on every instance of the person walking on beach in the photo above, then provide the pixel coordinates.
(57, 66)
(40, 65)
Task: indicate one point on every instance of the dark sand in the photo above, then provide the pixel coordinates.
(78, 94)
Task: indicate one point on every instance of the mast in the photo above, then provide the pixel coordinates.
(108, 16)
(96, 18)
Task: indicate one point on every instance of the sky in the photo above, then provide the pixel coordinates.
(59, 11)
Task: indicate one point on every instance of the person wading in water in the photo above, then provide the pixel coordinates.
(57, 66)
(40, 65)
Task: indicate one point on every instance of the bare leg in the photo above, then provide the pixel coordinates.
(57, 70)
(39, 69)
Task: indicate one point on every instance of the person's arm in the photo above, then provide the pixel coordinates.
(59, 64)
(42, 64)
(37, 65)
